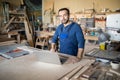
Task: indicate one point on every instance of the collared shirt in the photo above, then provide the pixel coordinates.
(70, 38)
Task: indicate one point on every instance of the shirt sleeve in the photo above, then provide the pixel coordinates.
(55, 37)
(80, 37)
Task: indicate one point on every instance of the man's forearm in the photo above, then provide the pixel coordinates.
(53, 48)
(80, 53)
(77, 58)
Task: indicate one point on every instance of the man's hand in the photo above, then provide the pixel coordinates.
(53, 47)
(53, 50)
(80, 53)
(73, 59)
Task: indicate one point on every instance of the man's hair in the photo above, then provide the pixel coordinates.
(68, 11)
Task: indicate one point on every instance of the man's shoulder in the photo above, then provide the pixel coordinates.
(76, 25)
(60, 26)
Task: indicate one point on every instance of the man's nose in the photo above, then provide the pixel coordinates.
(63, 17)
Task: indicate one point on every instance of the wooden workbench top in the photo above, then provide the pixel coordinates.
(28, 67)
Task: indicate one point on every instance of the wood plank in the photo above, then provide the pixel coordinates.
(8, 42)
(2, 58)
(72, 73)
(91, 69)
(77, 75)
(28, 33)
(30, 26)
(91, 37)
(67, 77)
(28, 67)
(6, 26)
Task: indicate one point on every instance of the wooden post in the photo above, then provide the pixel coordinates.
(6, 26)
(28, 34)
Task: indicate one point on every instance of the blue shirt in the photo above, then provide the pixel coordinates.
(70, 38)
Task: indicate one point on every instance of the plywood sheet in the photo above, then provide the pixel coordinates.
(28, 67)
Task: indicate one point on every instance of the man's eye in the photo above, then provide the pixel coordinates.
(59, 16)
(65, 14)
(62, 15)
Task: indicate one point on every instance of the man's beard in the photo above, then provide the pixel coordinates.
(65, 21)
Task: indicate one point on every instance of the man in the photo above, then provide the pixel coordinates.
(70, 36)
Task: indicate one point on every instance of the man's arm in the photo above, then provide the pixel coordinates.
(54, 40)
(74, 59)
(81, 42)
(80, 53)
(53, 47)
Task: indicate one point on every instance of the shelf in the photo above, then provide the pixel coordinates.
(15, 13)
(18, 22)
(20, 18)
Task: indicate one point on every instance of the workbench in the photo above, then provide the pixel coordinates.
(28, 67)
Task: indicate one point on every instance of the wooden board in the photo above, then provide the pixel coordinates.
(28, 33)
(30, 68)
(1, 59)
(10, 21)
(75, 74)
(91, 37)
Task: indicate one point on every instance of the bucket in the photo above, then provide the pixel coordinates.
(102, 46)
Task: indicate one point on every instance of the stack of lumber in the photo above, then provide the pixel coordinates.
(4, 40)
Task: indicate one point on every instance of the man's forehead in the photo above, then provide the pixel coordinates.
(63, 12)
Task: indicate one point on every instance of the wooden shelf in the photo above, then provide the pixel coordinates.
(91, 37)
(15, 13)
(18, 22)
(19, 18)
